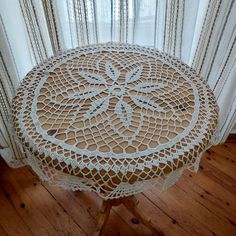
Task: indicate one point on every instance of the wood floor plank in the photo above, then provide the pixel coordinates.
(27, 210)
(198, 211)
(127, 217)
(79, 213)
(204, 188)
(221, 160)
(159, 218)
(217, 176)
(231, 148)
(2, 231)
(42, 207)
(179, 215)
(47, 205)
(88, 205)
(10, 220)
(215, 206)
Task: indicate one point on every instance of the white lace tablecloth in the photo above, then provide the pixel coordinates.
(113, 119)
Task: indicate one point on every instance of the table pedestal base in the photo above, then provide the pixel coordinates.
(132, 204)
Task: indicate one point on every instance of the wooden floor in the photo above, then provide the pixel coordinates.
(199, 204)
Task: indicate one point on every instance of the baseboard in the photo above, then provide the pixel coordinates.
(231, 138)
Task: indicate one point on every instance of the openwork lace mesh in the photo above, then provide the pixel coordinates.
(114, 119)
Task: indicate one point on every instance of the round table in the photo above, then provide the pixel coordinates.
(114, 119)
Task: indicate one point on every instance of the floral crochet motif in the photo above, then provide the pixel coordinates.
(119, 89)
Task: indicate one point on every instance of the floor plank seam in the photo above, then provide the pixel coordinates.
(59, 204)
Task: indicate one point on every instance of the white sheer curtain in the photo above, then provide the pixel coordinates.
(201, 33)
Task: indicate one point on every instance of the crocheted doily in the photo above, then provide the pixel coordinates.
(111, 117)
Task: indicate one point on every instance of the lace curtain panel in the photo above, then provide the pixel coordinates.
(200, 33)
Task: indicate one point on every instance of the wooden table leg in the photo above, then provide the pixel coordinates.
(103, 216)
(132, 203)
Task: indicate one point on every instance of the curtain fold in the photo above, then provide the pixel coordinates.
(174, 27)
(201, 33)
(53, 25)
(37, 37)
(215, 60)
(9, 81)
